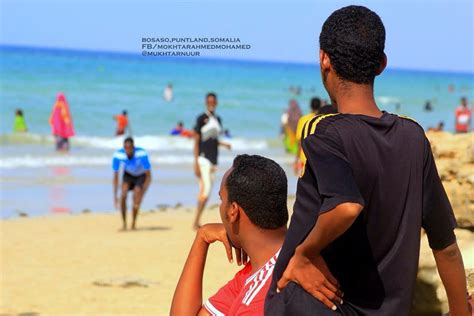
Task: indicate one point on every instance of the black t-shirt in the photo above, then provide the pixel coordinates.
(208, 126)
(385, 164)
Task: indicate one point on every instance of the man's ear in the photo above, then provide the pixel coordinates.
(383, 64)
(234, 212)
(324, 61)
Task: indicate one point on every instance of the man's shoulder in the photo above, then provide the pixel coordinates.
(319, 124)
(140, 152)
(201, 116)
(120, 154)
(410, 123)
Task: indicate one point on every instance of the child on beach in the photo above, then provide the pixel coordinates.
(19, 125)
(254, 214)
(368, 186)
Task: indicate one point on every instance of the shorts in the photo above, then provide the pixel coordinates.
(294, 300)
(133, 181)
(208, 171)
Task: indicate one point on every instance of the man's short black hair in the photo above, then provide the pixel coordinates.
(354, 39)
(124, 112)
(259, 186)
(315, 104)
(211, 94)
(128, 140)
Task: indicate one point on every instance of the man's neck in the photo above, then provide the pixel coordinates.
(357, 99)
(263, 245)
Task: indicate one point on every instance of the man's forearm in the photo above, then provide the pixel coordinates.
(187, 298)
(451, 270)
(328, 227)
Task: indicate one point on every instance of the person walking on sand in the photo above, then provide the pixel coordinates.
(463, 117)
(136, 177)
(206, 151)
(61, 123)
(122, 123)
(369, 185)
(19, 125)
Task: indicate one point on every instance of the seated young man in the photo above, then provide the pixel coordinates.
(254, 215)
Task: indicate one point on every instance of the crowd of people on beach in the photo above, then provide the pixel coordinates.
(367, 185)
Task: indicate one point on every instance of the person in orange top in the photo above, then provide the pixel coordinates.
(122, 123)
(463, 117)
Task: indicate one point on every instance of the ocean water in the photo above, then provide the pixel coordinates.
(252, 97)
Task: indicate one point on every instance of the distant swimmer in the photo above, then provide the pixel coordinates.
(61, 123)
(289, 121)
(428, 107)
(206, 151)
(122, 123)
(19, 125)
(168, 93)
(463, 117)
(179, 130)
(136, 177)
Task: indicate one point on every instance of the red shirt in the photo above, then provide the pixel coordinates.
(245, 293)
(463, 119)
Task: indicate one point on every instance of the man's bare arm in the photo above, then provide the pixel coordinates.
(328, 227)
(187, 299)
(308, 268)
(451, 270)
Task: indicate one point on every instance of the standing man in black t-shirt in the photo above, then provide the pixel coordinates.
(206, 150)
(368, 187)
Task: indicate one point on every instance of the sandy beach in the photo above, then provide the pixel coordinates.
(80, 264)
(61, 265)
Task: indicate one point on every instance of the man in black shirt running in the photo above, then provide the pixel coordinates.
(368, 187)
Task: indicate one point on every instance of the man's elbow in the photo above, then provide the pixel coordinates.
(352, 210)
(450, 252)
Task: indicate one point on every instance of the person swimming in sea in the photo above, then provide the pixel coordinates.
(19, 125)
(168, 93)
(179, 130)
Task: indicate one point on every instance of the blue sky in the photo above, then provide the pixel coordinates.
(421, 34)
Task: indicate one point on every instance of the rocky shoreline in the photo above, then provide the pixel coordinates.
(454, 155)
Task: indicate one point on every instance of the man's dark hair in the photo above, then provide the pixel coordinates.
(211, 94)
(354, 39)
(124, 112)
(128, 140)
(315, 104)
(259, 186)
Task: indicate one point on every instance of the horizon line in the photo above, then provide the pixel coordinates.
(209, 58)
